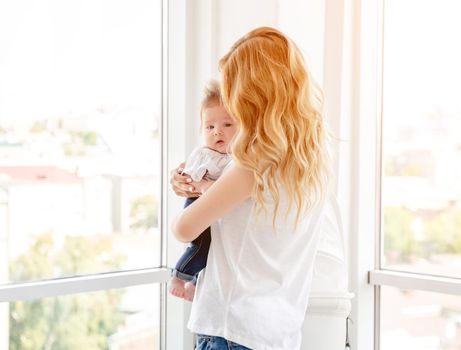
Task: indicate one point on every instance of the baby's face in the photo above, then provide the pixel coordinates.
(218, 128)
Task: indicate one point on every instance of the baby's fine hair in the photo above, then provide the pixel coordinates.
(211, 95)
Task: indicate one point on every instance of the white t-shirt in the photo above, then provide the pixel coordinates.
(204, 161)
(254, 290)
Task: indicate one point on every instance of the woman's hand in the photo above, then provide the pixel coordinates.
(182, 184)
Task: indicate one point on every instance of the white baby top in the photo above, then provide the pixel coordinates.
(204, 161)
(254, 290)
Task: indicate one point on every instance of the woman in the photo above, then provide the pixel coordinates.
(265, 211)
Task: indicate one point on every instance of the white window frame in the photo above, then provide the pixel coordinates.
(173, 113)
(360, 173)
(351, 103)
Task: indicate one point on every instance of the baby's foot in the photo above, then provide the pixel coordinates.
(189, 291)
(177, 287)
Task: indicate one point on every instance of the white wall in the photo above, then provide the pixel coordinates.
(304, 22)
(235, 18)
(214, 25)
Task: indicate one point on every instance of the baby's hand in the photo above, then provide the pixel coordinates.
(203, 185)
(182, 183)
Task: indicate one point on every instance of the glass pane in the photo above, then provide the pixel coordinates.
(114, 319)
(80, 112)
(421, 137)
(419, 320)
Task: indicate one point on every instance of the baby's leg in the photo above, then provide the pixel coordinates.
(177, 287)
(191, 262)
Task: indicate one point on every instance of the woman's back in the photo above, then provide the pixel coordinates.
(254, 290)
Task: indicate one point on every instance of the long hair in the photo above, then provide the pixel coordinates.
(281, 138)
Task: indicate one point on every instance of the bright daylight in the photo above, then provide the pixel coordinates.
(217, 174)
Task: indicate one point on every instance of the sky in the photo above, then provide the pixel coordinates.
(58, 56)
(422, 55)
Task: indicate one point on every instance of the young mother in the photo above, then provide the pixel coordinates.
(266, 210)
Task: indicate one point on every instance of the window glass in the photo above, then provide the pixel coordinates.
(113, 319)
(419, 320)
(421, 193)
(80, 106)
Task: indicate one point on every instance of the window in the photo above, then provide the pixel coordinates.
(421, 186)
(81, 171)
(416, 274)
(112, 319)
(79, 140)
(412, 319)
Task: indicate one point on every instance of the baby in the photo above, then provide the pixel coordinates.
(205, 163)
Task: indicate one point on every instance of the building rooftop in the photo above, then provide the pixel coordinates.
(38, 174)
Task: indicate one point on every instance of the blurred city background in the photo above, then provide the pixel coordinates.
(80, 99)
(421, 169)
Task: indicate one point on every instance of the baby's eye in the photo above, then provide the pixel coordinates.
(209, 127)
(227, 125)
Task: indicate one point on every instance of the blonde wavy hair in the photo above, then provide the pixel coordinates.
(279, 108)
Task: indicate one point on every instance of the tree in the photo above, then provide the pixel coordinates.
(444, 231)
(80, 142)
(82, 321)
(143, 213)
(399, 239)
(38, 127)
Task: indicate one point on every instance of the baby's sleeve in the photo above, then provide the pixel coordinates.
(216, 166)
(194, 163)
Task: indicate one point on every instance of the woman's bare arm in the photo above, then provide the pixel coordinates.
(230, 190)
